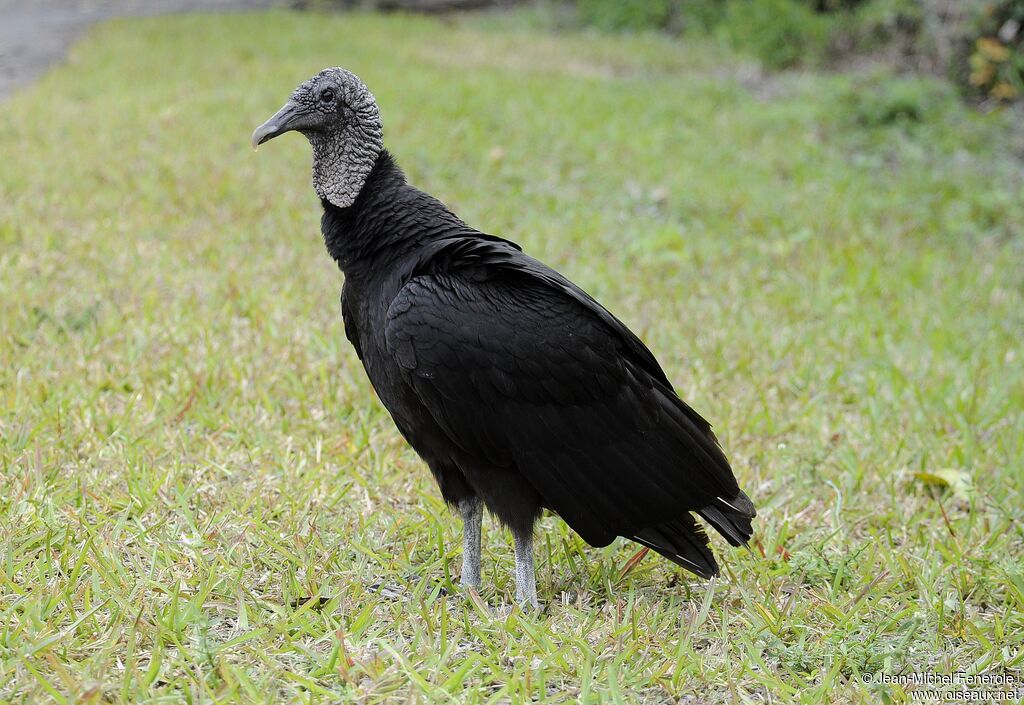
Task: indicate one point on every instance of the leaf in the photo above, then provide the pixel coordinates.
(960, 482)
(993, 49)
(1004, 91)
(633, 562)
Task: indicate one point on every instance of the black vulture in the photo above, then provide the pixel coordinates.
(518, 390)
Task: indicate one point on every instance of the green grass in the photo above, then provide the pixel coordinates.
(190, 450)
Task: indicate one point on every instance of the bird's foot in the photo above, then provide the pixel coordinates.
(527, 601)
(523, 607)
(526, 581)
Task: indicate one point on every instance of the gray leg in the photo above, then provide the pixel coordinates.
(472, 516)
(526, 581)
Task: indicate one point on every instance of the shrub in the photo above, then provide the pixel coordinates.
(881, 101)
(834, 5)
(628, 14)
(701, 15)
(886, 25)
(997, 55)
(782, 33)
(979, 44)
(672, 15)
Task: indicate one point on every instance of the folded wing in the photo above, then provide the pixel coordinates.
(522, 369)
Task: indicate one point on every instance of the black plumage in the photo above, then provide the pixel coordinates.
(514, 385)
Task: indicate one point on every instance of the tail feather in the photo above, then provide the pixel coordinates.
(683, 542)
(732, 518)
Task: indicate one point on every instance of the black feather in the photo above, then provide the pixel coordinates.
(515, 385)
(683, 543)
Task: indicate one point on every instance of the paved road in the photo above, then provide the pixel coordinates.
(34, 34)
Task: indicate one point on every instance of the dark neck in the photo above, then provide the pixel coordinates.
(388, 219)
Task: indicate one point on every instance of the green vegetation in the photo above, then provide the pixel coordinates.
(781, 33)
(997, 59)
(977, 43)
(200, 499)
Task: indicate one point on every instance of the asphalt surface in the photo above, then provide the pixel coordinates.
(35, 34)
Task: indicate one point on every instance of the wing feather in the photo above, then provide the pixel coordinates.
(519, 367)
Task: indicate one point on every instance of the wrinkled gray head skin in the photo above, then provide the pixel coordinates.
(338, 115)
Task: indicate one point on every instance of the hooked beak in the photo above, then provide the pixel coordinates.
(286, 119)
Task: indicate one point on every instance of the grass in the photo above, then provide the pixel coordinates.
(201, 501)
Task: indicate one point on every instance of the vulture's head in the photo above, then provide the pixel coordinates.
(338, 115)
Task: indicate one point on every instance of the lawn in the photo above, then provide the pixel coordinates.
(201, 499)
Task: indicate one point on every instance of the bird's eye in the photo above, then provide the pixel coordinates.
(327, 95)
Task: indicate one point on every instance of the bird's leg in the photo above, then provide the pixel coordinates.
(526, 581)
(472, 516)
